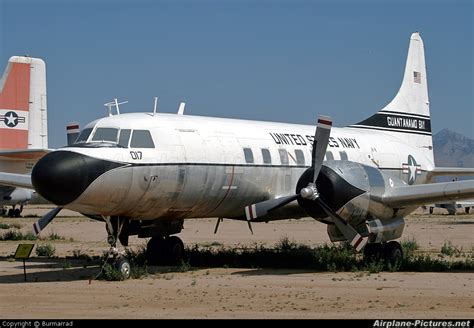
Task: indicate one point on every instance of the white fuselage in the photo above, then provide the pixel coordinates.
(198, 166)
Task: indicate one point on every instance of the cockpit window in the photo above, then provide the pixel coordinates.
(105, 134)
(83, 136)
(124, 137)
(141, 139)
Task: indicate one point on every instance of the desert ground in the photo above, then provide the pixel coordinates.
(65, 288)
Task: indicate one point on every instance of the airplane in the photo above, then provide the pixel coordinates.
(146, 173)
(23, 126)
(452, 207)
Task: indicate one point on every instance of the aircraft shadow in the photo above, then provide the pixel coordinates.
(52, 270)
(273, 272)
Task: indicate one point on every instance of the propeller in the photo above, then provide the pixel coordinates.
(45, 220)
(310, 192)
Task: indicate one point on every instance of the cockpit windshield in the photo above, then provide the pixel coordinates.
(113, 137)
(105, 134)
(83, 136)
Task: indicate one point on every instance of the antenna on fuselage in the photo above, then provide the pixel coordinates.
(155, 107)
(116, 104)
(182, 105)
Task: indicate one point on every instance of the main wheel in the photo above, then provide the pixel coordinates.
(373, 252)
(467, 209)
(431, 210)
(17, 213)
(11, 213)
(393, 253)
(156, 250)
(175, 250)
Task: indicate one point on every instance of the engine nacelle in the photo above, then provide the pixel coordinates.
(348, 187)
(17, 196)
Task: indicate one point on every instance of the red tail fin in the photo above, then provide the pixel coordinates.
(14, 105)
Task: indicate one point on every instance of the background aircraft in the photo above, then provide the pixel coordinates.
(452, 207)
(23, 125)
(145, 173)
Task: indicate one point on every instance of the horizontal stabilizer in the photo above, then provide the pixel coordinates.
(453, 171)
(16, 180)
(23, 154)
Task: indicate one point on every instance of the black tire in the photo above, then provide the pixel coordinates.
(11, 213)
(155, 251)
(17, 213)
(373, 252)
(123, 266)
(393, 253)
(431, 210)
(467, 209)
(174, 250)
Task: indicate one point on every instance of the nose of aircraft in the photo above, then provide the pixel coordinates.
(62, 176)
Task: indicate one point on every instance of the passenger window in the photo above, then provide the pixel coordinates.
(141, 139)
(248, 155)
(299, 157)
(343, 155)
(267, 158)
(329, 156)
(283, 157)
(83, 136)
(105, 134)
(124, 137)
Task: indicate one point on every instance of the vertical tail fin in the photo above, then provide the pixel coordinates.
(23, 109)
(408, 115)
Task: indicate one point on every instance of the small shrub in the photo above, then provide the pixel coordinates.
(47, 250)
(449, 249)
(15, 234)
(78, 254)
(184, 266)
(409, 247)
(54, 236)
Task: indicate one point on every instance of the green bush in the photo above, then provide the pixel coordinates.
(47, 250)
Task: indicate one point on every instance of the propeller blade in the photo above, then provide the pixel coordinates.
(250, 226)
(45, 220)
(259, 210)
(356, 240)
(320, 143)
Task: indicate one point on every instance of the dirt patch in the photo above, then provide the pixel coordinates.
(61, 288)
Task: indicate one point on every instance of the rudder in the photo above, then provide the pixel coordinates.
(23, 107)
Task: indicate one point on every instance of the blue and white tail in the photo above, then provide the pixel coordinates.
(408, 115)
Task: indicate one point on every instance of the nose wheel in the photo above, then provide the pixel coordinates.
(116, 258)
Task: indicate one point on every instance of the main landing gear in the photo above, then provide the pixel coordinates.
(390, 252)
(165, 251)
(13, 212)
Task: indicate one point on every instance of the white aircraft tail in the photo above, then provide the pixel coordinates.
(408, 115)
(23, 111)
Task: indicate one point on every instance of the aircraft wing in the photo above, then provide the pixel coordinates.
(428, 193)
(456, 171)
(16, 180)
(23, 154)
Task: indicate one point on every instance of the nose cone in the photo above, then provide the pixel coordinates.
(62, 176)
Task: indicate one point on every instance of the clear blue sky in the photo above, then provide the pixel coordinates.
(286, 61)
